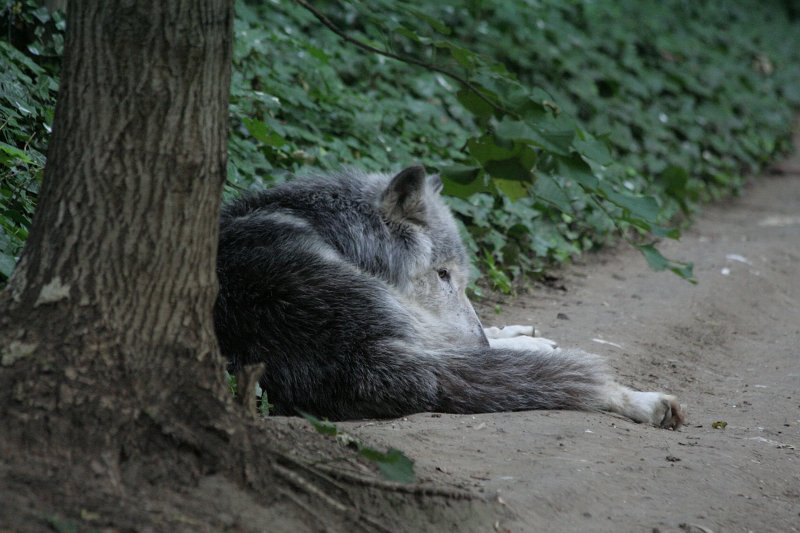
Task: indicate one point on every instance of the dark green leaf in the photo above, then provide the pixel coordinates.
(393, 464)
(322, 426)
(644, 207)
(576, 169)
(462, 174)
(515, 130)
(261, 131)
(462, 181)
(486, 148)
(15, 152)
(595, 150)
(508, 169)
(548, 190)
(476, 105)
(658, 263)
(513, 189)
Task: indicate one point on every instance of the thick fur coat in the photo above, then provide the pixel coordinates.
(351, 289)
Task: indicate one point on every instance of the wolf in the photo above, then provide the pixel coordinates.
(351, 289)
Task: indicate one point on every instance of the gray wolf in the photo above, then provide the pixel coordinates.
(350, 288)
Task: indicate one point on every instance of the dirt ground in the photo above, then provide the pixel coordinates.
(728, 347)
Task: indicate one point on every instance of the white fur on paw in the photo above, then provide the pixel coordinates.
(656, 408)
(536, 344)
(508, 332)
(671, 414)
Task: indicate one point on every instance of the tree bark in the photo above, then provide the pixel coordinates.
(106, 328)
(112, 400)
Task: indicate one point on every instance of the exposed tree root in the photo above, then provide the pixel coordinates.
(391, 486)
(277, 466)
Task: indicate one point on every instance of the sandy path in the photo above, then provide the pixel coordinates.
(729, 347)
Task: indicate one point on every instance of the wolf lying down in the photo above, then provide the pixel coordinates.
(351, 289)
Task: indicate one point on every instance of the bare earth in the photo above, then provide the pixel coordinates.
(728, 347)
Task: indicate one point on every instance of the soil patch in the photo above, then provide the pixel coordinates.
(728, 347)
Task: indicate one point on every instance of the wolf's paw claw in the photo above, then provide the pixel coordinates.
(668, 413)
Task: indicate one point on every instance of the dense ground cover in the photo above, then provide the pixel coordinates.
(582, 121)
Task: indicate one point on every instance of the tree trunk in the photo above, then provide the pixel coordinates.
(112, 401)
(106, 325)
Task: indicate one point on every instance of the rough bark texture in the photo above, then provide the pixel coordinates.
(109, 308)
(113, 409)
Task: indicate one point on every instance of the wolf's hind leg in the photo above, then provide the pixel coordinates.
(656, 408)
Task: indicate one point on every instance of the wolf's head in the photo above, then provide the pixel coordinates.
(436, 271)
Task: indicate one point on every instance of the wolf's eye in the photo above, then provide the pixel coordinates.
(444, 274)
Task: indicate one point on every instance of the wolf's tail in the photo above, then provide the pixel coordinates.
(399, 378)
(497, 379)
(484, 380)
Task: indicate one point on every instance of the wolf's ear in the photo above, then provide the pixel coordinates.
(436, 183)
(404, 198)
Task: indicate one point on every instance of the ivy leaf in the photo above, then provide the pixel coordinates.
(595, 150)
(658, 263)
(548, 190)
(516, 130)
(577, 170)
(643, 207)
(674, 179)
(513, 189)
(476, 105)
(462, 181)
(508, 169)
(14, 152)
(486, 149)
(462, 174)
(322, 426)
(261, 131)
(393, 464)
(669, 233)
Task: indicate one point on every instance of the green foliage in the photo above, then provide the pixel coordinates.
(581, 122)
(262, 402)
(573, 122)
(30, 48)
(393, 464)
(233, 386)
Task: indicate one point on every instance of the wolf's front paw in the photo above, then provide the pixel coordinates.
(533, 344)
(668, 413)
(661, 410)
(507, 332)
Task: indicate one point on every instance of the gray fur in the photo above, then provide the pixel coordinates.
(350, 287)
